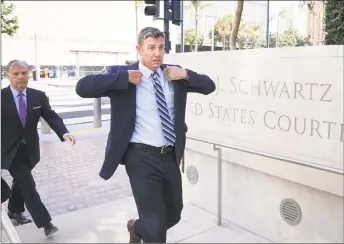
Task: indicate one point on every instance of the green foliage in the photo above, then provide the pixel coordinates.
(189, 38)
(303, 41)
(223, 30)
(9, 23)
(310, 4)
(129, 62)
(252, 36)
(289, 38)
(248, 34)
(334, 22)
(198, 5)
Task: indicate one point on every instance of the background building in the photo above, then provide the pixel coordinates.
(65, 35)
(315, 23)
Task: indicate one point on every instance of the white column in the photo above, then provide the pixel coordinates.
(77, 65)
(37, 66)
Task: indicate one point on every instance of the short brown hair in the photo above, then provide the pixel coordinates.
(149, 32)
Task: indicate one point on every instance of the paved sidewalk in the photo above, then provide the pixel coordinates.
(106, 223)
(67, 177)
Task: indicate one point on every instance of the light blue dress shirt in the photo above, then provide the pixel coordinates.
(148, 128)
(16, 98)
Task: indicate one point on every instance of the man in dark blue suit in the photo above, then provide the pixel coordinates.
(147, 134)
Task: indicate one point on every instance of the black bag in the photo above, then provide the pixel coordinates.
(5, 191)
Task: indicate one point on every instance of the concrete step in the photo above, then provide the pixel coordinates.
(106, 223)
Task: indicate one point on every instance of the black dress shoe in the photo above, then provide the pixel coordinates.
(19, 217)
(50, 229)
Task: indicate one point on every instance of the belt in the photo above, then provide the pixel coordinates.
(161, 150)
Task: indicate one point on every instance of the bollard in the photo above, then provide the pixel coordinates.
(45, 128)
(97, 109)
(219, 184)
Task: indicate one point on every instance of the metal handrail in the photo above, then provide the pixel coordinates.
(218, 147)
(9, 227)
(273, 156)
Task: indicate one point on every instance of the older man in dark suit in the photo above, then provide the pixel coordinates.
(21, 109)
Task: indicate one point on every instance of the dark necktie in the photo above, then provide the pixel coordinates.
(22, 109)
(166, 122)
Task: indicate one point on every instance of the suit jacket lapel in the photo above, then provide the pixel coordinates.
(12, 108)
(30, 103)
(132, 87)
(135, 66)
(175, 91)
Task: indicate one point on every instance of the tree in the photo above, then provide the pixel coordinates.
(246, 37)
(190, 39)
(334, 22)
(310, 4)
(236, 25)
(250, 36)
(9, 23)
(223, 30)
(197, 6)
(282, 14)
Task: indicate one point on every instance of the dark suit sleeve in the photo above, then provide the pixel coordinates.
(101, 85)
(52, 118)
(198, 83)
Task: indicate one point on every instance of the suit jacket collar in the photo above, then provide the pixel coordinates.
(15, 92)
(135, 66)
(11, 105)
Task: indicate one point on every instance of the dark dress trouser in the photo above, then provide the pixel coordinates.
(156, 183)
(5, 191)
(24, 190)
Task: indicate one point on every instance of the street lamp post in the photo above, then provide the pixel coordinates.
(213, 27)
(182, 27)
(213, 35)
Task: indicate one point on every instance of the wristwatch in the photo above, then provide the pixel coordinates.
(187, 75)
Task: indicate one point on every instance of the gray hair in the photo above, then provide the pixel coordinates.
(16, 62)
(149, 32)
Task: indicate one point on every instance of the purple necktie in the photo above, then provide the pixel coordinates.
(22, 109)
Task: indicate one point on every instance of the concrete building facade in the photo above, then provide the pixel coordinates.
(315, 23)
